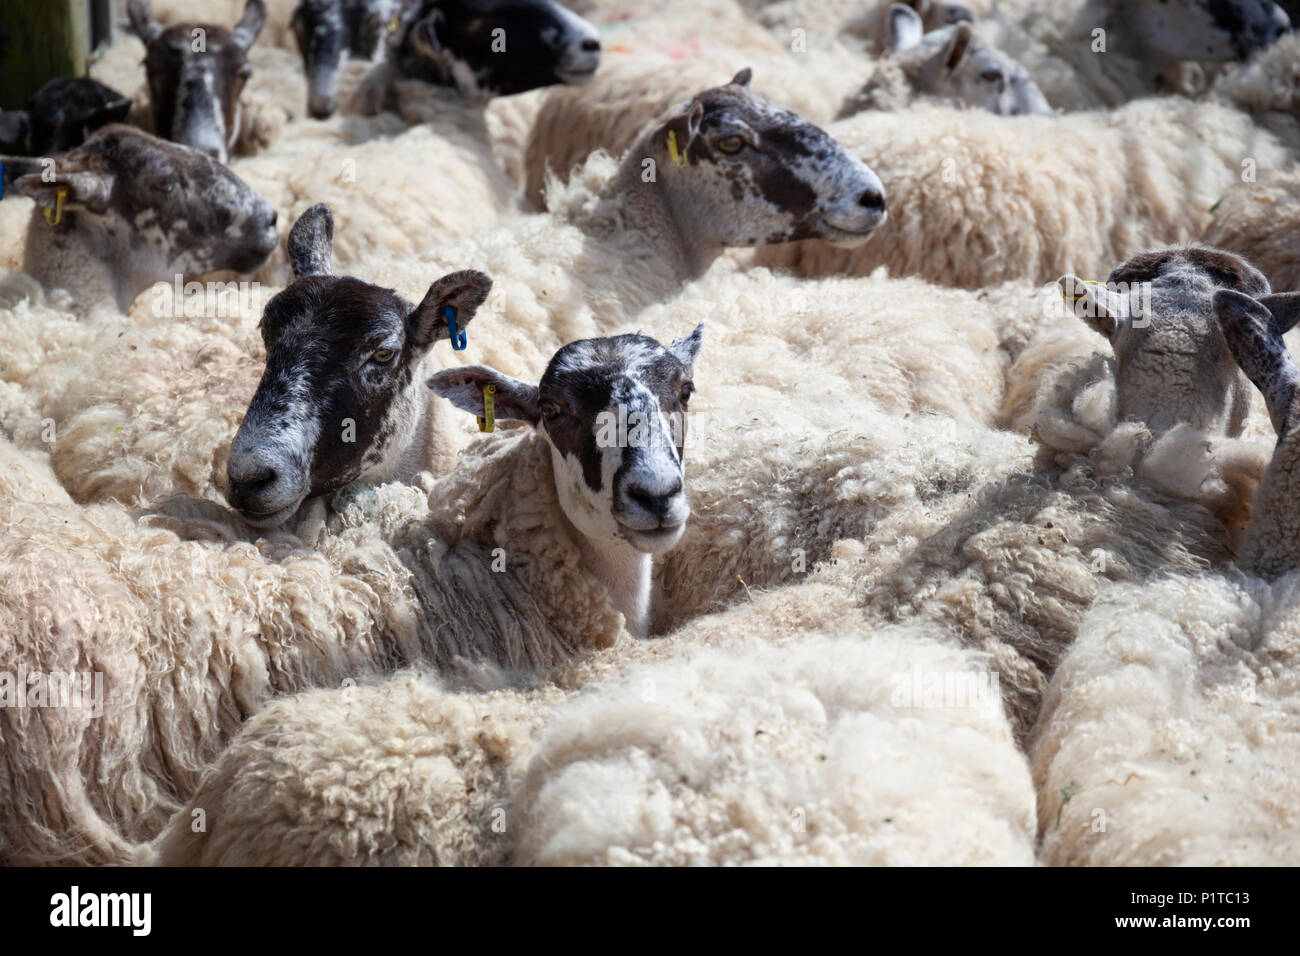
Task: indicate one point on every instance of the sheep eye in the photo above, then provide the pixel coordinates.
(684, 395)
(383, 356)
(990, 76)
(551, 410)
(730, 144)
(245, 71)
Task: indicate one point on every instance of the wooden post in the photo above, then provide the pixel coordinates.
(39, 41)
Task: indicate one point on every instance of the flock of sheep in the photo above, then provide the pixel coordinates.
(949, 515)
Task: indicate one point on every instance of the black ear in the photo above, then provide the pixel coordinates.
(743, 77)
(311, 242)
(15, 126)
(143, 24)
(460, 292)
(1250, 331)
(425, 39)
(250, 24)
(463, 387)
(1285, 309)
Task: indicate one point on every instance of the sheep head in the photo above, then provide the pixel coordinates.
(1173, 30)
(734, 170)
(1171, 363)
(196, 73)
(613, 411)
(339, 400)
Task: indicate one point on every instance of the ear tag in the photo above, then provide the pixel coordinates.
(58, 207)
(392, 25)
(488, 421)
(678, 157)
(458, 340)
(1076, 298)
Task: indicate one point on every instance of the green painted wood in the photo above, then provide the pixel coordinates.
(41, 40)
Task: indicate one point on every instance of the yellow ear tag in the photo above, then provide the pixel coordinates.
(57, 216)
(678, 157)
(489, 420)
(392, 25)
(1076, 298)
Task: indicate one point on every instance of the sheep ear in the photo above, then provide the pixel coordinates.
(85, 190)
(1285, 308)
(743, 77)
(142, 22)
(1103, 310)
(311, 242)
(14, 126)
(425, 39)
(688, 346)
(905, 28)
(463, 292)
(958, 46)
(956, 13)
(1248, 328)
(250, 24)
(463, 387)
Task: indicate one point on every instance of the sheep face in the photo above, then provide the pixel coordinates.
(339, 400)
(328, 31)
(61, 115)
(499, 47)
(1253, 328)
(1173, 30)
(739, 172)
(613, 411)
(174, 210)
(196, 74)
(1171, 362)
(952, 63)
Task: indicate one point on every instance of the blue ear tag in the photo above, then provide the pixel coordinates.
(458, 340)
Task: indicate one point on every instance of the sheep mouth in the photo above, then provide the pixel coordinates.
(652, 540)
(271, 519)
(844, 236)
(575, 77)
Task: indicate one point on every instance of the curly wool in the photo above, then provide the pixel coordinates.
(1260, 221)
(1169, 733)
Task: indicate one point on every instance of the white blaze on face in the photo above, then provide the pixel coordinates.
(576, 65)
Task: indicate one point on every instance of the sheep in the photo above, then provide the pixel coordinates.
(60, 115)
(111, 221)
(951, 63)
(342, 398)
(1253, 328)
(738, 751)
(861, 21)
(196, 75)
(1003, 542)
(1268, 88)
(1091, 54)
(328, 31)
(398, 579)
(995, 198)
(1168, 732)
(456, 43)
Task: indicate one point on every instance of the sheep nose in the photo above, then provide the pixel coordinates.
(250, 477)
(591, 45)
(872, 200)
(656, 501)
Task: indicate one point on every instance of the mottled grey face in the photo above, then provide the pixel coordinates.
(339, 399)
(749, 174)
(954, 64)
(196, 73)
(165, 208)
(1171, 362)
(1203, 29)
(614, 413)
(329, 32)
